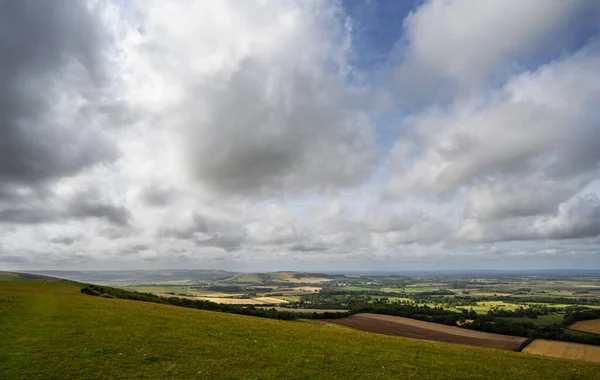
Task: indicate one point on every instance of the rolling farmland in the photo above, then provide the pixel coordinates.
(412, 328)
(564, 350)
(591, 326)
(53, 331)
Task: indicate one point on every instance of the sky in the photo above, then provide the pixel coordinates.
(300, 134)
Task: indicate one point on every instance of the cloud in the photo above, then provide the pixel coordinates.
(23, 215)
(78, 207)
(83, 207)
(157, 196)
(66, 240)
(518, 198)
(208, 231)
(579, 217)
(457, 46)
(537, 123)
(52, 87)
(263, 134)
(393, 228)
(264, 108)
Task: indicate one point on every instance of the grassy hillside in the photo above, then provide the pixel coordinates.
(50, 330)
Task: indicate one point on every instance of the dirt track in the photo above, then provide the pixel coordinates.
(412, 328)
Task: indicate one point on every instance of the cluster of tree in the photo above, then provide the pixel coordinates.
(330, 300)
(410, 310)
(583, 315)
(443, 292)
(529, 330)
(105, 291)
(374, 292)
(548, 299)
(530, 312)
(447, 301)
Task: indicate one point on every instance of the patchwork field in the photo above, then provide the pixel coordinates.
(564, 350)
(412, 328)
(591, 326)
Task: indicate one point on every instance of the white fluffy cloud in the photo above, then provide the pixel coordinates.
(461, 45)
(242, 133)
(256, 93)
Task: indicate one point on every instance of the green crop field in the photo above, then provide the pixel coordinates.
(483, 307)
(50, 331)
(543, 320)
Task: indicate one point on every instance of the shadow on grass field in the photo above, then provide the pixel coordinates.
(50, 330)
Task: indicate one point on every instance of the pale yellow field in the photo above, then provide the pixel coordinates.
(244, 301)
(232, 301)
(270, 300)
(564, 350)
(591, 326)
(229, 301)
(297, 291)
(305, 280)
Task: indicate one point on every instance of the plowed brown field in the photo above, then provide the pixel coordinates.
(564, 350)
(412, 328)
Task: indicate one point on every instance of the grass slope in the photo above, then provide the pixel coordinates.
(49, 331)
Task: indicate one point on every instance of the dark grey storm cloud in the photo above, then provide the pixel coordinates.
(28, 215)
(79, 207)
(51, 75)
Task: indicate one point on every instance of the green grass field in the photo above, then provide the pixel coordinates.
(543, 320)
(484, 307)
(51, 331)
(4, 276)
(247, 278)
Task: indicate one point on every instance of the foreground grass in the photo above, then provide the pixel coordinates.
(51, 331)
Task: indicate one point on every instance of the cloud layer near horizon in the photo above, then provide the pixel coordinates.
(243, 134)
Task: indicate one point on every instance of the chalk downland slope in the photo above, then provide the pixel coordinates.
(564, 350)
(50, 331)
(412, 328)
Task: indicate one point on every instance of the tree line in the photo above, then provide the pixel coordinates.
(109, 292)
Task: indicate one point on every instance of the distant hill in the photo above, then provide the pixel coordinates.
(51, 330)
(138, 276)
(17, 276)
